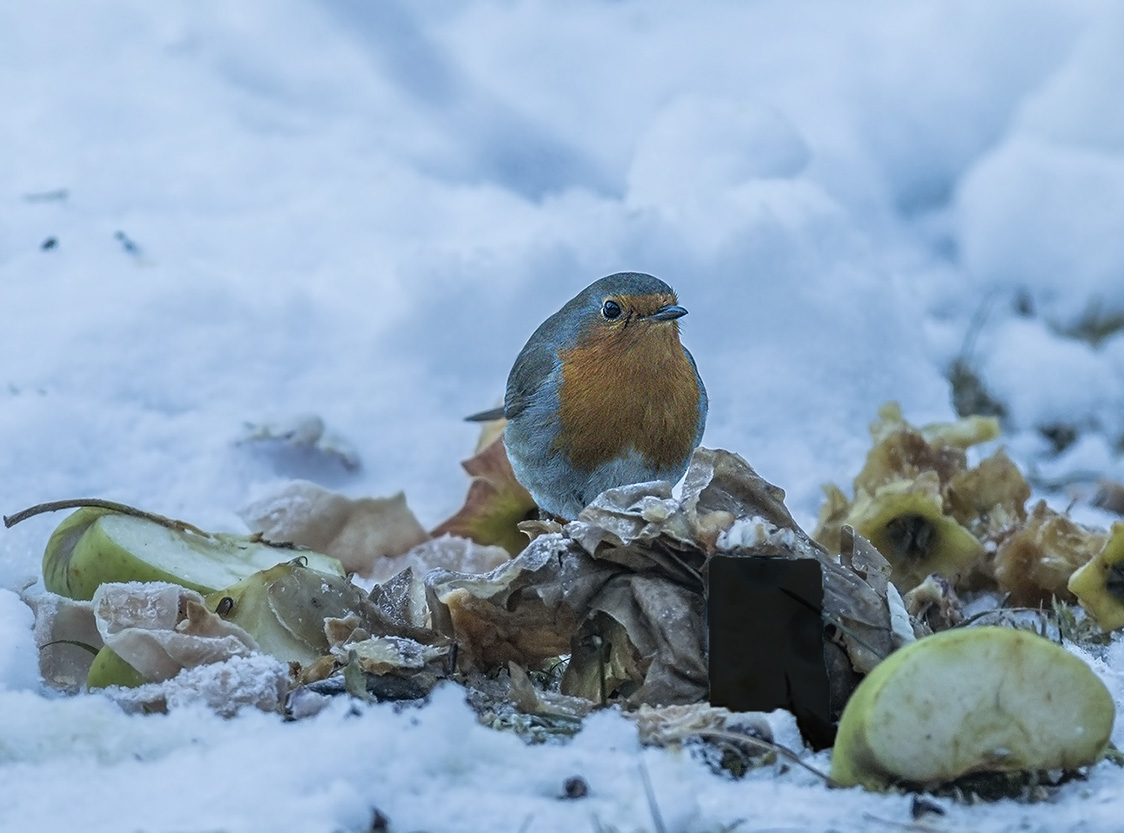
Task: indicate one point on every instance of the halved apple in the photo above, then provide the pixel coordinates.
(985, 699)
(94, 546)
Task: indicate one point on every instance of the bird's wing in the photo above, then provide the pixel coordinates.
(704, 401)
(533, 365)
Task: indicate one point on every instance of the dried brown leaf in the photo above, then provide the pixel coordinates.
(532, 700)
(1034, 563)
(990, 498)
(360, 532)
(662, 654)
(496, 502)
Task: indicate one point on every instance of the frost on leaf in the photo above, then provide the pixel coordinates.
(365, 534)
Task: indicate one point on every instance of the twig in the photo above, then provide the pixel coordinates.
(98, 503)
(83, 645)
(783, 751)
(653, 807)
(917, 826)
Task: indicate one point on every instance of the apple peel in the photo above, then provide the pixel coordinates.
(94, 546)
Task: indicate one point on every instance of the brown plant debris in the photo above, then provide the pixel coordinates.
(496, 502)
(1034, 563)
(621, 589)
(361, 532)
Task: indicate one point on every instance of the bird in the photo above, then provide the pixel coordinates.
(602, 395)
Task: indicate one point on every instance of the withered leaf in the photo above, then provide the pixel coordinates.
(622, 588)
(496, 502)
(361, 532)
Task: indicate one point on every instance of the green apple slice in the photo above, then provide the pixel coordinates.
(94, 546)
(109, 669)
(985, 699)
(283, 608)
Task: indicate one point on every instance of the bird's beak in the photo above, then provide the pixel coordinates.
(668, 312)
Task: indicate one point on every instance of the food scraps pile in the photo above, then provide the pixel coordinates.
(945, 605)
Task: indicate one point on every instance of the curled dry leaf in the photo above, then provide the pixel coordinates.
(394, 667)
(523, 611)
(865, 612)
(379, 655)
(644, 641)
(402, 661)
(934, 602)
(530, 699)
(401, 600)
(365, 534)
(721, 487)
(1035, 562)
(159, 629)
(496, 502)
(447, 553)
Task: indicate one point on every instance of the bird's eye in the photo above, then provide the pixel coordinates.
(611, 310)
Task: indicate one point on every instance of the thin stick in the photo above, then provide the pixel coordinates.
(920, 827)
(98, 503)
(83, 645)
(653, 807)
(783, 751)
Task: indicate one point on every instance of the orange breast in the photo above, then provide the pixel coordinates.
(628, 389)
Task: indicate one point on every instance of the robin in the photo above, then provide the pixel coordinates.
(602, 395)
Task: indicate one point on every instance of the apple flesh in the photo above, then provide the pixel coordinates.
(985, 699)
(95, 546)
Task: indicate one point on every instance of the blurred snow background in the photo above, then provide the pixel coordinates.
(218, 213)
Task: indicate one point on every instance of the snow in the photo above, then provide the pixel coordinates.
(362, 210)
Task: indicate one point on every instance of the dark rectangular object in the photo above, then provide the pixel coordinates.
(766, 639)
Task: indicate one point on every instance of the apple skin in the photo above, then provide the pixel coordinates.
(93, 546)
(283, 608)
(109, 669)
(1097, 584)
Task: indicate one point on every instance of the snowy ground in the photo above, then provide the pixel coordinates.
(363, 209)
